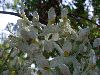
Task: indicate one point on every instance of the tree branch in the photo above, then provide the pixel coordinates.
(10, 13)
(81, 17)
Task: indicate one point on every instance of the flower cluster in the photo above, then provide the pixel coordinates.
(55, 48)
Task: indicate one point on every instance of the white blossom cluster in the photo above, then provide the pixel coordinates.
(70, 49)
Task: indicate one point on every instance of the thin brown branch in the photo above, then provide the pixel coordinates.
(10, 13)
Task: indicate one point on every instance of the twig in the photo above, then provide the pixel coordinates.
(77, 16)
(10, 13)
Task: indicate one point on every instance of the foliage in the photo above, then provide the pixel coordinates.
(55, 48)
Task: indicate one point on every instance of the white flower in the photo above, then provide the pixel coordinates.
(55, 37)
(32, 66)
(82, 48)
(83, 33)
(67, 46)
(96, 42)
(51, 13)
(61, 20)
(25, 19)
(35, 16)
(64, 12)
(92, 57)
